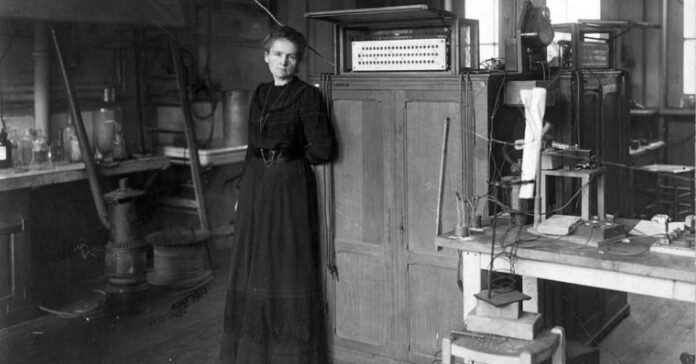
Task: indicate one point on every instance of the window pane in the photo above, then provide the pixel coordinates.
(486, 11)
(487, 51)
(690, 66)
(569, 11)
(689, 18)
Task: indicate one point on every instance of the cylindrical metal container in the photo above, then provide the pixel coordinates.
(125, 222)
(235, 112)
(125, 265)
(126, 253)
(179, 258)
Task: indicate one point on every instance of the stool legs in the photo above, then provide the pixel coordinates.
(559, 355)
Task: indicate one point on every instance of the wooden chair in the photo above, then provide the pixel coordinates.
(483, 348)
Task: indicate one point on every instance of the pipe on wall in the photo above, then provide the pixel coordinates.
(41, 58)
(664, 97)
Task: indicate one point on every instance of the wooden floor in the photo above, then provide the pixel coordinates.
(657, 331)
(166, 327)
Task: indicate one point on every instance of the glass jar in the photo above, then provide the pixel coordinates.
(40, 151)
(105, 119)
(26, 144)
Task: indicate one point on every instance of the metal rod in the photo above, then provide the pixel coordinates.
(494, 226)
(441, 183)
(42, 76)
(664, 95)
(139, 101)
(82, 138)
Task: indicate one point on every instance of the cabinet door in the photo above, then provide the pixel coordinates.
(432, 302)
(15, 305)
(362, 297)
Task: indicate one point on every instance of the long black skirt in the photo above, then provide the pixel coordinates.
(274, 309)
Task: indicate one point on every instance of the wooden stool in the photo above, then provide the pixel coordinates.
(586, 176)
(504, 350)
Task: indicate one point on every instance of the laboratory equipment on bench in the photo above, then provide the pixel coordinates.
(528, 49)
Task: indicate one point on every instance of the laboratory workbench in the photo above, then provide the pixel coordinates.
(12, 180)
(628, 267)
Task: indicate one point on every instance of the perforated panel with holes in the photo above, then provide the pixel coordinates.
(400, 55)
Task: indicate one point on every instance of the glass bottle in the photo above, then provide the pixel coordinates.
(105, 119)
(5, 150)
(119, 145)
(73, 153)
(14, 140)
(39, 151)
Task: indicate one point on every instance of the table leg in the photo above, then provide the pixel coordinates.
(675, 198)
(471, 278)
(530, 287)
(585, 205)
(600, 196)
(543, 188)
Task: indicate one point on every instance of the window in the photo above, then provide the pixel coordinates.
(486, 11)
(689, 47)
(569, 11)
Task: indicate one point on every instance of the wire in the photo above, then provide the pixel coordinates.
(269, 13)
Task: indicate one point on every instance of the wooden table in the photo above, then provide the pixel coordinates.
(628, 267)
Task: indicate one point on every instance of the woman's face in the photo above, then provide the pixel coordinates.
(282, 60)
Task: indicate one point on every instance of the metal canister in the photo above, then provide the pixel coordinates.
(235, 112)
(123, 214)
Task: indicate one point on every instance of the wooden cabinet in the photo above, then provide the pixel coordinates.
(15, 295)
(396, 295)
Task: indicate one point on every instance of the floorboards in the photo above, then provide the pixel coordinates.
(185, 327)
(656, 332)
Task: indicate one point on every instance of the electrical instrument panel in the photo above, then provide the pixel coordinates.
(582, 46)
(428, 54)
(398, 39)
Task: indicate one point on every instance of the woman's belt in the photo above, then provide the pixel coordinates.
(271, 156)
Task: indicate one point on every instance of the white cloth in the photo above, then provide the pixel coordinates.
(534, 102)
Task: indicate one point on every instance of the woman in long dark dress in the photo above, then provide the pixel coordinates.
(274, 309)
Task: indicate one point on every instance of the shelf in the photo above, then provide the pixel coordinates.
(644, 112)
(676, 112)
(11, 180)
